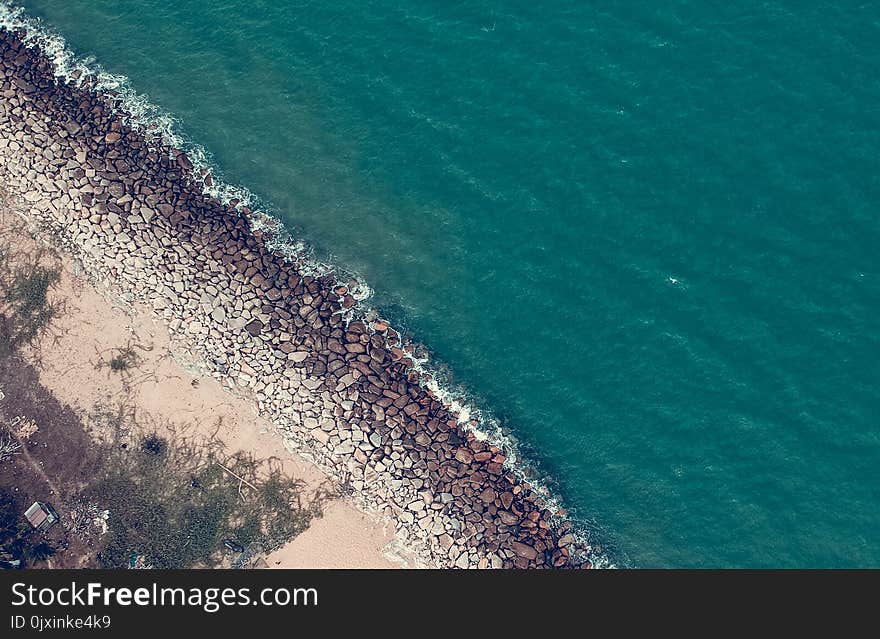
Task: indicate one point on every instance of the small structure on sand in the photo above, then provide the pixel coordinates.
(8, 562)
(41, 516)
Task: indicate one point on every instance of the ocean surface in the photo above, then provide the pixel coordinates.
(643, 235)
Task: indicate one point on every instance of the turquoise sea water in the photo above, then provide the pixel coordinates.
(643, 234)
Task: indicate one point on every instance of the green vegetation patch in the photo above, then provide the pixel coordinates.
(25, 308)
(174, 504)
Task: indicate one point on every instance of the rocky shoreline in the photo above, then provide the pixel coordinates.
(341, 388)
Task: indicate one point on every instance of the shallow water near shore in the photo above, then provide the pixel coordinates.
(643, 238)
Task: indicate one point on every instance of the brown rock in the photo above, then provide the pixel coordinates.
(334, 346)
(507, 518)
(184, 162)
(565, 540)
(24, 85)
(72, 127)
(411, 409)
(423, 440)
(524, 550)
(254, 327)
(286, 347)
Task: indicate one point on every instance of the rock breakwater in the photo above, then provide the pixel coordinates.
(341, 388)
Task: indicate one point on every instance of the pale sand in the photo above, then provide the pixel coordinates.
(74, 366)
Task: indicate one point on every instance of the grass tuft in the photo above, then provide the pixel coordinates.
(25, 308)
(174, 503)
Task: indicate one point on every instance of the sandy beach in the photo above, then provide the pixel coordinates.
(72, 363)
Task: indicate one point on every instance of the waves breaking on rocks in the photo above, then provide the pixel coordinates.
(102, 171)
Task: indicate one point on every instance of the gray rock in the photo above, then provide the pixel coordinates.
(321, 436)
(345, 448)
(311, 383)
